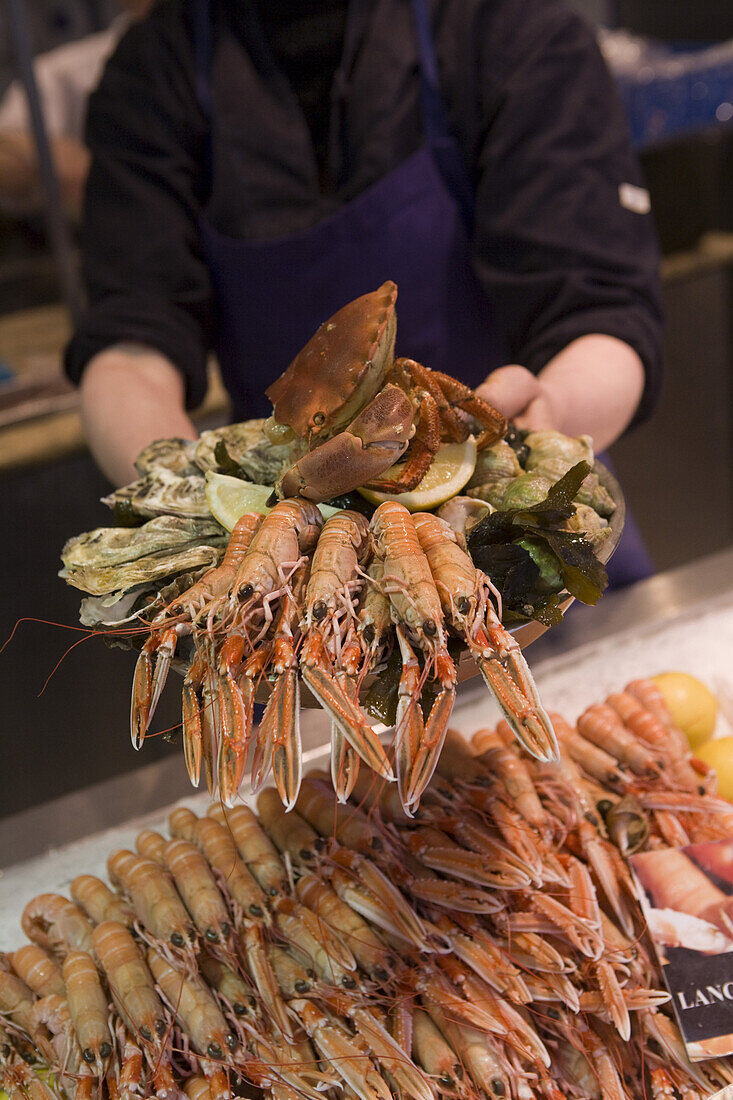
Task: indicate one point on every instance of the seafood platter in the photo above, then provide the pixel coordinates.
(384, 533)
(436, 913)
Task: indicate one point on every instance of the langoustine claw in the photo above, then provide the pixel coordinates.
(465, 599)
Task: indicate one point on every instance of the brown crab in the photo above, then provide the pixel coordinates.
(353, 409)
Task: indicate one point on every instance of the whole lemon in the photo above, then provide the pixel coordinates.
(693, 707)
(719, 755)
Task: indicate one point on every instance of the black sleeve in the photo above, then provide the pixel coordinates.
(145, 275)
(557, 249)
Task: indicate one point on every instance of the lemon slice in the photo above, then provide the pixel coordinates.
(449, 471)
(229, 498)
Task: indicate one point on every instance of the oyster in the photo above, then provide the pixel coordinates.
(243, 449)
(162, 493)
(104, 579)
(175, 455)
(114, 609)
(265, 462)
(105, 546)
(118, 608)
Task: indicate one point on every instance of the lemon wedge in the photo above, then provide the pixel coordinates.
(449, 471)
(229, 498)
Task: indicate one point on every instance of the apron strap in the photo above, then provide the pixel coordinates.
(434, 117)
(435, 121)
(202, 48)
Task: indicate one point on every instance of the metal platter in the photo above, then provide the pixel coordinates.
(527, 632)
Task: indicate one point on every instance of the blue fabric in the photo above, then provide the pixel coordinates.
(631, 561)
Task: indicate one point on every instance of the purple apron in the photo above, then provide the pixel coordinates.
(411, 226)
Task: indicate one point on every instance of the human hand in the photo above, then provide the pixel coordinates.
(521, 397)
(592, 387)
(20, 181)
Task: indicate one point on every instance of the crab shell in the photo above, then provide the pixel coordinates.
(340, 369)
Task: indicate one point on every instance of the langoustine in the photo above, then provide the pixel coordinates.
(376, 977)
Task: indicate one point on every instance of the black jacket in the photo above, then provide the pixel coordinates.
(534, 109)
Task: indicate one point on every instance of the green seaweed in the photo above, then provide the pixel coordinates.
(226, 464)
(355, 502)
(531, 559)
(381, 699)
(125, 515)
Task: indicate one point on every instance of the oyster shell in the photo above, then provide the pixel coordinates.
(238, 438)
(105, 546)
(162, 493)
(112, 610)
(118, 608)
(260, 460)
(175, 455)
(265, 462)
(104, 579)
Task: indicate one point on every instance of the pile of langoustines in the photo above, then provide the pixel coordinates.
(490, 946)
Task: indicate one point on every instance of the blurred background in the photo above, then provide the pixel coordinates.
(673, 60)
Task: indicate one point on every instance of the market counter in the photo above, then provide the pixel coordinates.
(677, 620)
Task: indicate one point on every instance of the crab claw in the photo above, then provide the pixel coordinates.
(367, 447)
